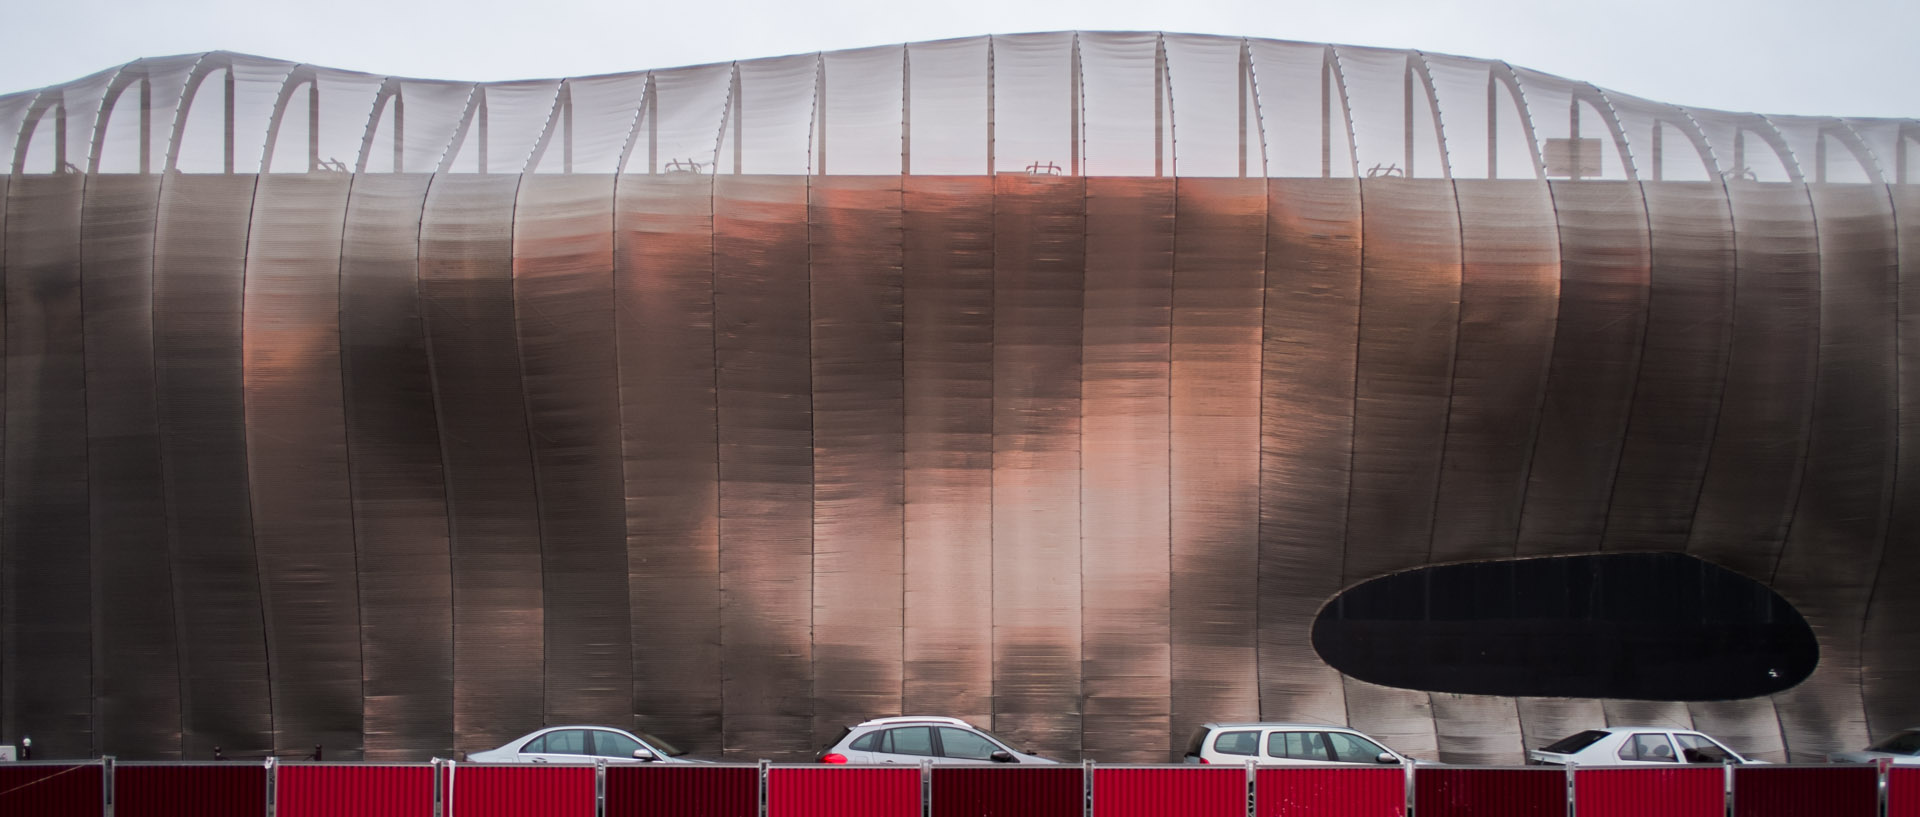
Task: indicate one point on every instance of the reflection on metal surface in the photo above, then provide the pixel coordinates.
(598, 399)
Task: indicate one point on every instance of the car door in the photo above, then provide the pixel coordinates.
(966, 746)
(905, 744)
(618, 748)
(1647, 749)
(558, 746)
(1294, 748)
(1350, 748)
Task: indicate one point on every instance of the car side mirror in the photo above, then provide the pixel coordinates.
(643, 754)
(1386, 757)
(1002, 756)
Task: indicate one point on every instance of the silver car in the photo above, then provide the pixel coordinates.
(1285, 744)
(1902, 747)
(913, 739)
(584, 744)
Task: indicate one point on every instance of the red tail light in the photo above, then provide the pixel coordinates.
(1203, 762)
(833, 757)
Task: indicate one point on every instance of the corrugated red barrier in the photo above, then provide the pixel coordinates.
(197, 790)
(62, 789)
(1534, 792)
(515, 791)
(1323, 791)
(822, 791)
(1790, 791)
(1903, 791)
(1189, 791)
(362, 791)
(683, 791)
(1009, 791)
(1648, 791)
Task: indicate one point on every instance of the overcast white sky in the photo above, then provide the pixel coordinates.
(1840, 57)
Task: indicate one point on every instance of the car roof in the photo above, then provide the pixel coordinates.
(1276, 725)
(914, 719)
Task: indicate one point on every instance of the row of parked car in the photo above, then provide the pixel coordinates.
(913, 739)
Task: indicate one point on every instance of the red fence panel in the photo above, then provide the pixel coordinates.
(360, 790)
(1009, 791)
(827, 791)
(65, 789)
(1459, 792)
(1903, 791)
(1651, 791)
(477, 790)
(683, 790)
(1797, 791)
(179, 790)
(1189, 791)
(1330, 791)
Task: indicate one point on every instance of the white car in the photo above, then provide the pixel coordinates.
(1902, 747)
(1285, 744)
(584, 744)
(1635, 746)
(916, 738)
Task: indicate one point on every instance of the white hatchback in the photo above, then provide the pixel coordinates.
(584, 744)
(1635, 746)
(1285, 744)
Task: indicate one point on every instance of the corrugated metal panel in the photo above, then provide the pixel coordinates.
(135, 651)
(1039, 267)
(762, 348)
(52, 790)
(1684, 791)
(296, 448)
(1219, 275)
(214, 790)
(1441, 792)
(563, 315)
(1306, 436)
(44, 519)
(1012, 791)
(1186, 791)
(1903, 792)
(399, 483)
(949, 481)
(1124, 478)
(1826, 791)
(1330, 792)
(683, 791)
(360, 791)
(854, 268)
(842, 792)
(514, 791)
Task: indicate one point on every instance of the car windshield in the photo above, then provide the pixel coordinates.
(657, 743)
(1574, 743)
(1902, 743)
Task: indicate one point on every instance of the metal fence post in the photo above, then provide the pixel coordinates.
(765, 765)
(1727, 792)
(1413, 797)
(106, 785)
(1573, 807)
(439, 802)
(273, 785)
(1253, 789)
(1885, 767)
(926, 788)
(599, 788)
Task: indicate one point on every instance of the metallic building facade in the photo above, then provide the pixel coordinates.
(1052, 381)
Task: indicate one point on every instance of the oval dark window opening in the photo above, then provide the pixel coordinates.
(1648, 626)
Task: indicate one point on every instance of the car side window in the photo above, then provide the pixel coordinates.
(1237, 743)
(536, 746)
(1699, 749)
(866, 742)
(613, 744)
(966, 745)
(1353, 748)
(1297, 746)
(567, 742)
(1650, 746)
(910, 740)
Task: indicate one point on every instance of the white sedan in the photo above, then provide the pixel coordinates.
(1902, 747)
(584, 744)
(1635, 746)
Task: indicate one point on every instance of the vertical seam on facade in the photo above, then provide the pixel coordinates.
(449, 515)
(526, 420)
(346, 441)
(1612, 120)
(246, 457)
